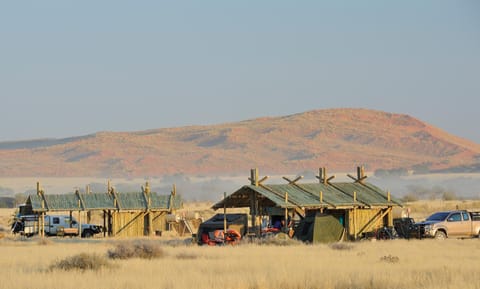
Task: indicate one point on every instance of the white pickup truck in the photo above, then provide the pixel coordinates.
(55, 225)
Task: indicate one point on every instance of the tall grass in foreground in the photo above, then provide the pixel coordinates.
(382, 264)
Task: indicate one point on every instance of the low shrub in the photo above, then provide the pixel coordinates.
(390, 259)
(186, 256)
(136, 249)
(341, 246)
(82, 262)
(280, 239)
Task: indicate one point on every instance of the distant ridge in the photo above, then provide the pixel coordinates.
(339, 139)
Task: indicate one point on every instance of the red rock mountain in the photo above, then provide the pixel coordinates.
(339, 139)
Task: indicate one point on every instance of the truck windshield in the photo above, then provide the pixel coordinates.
(438, 216)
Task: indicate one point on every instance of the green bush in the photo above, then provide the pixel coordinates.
(136, 249)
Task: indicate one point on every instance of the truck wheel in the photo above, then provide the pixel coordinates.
(87, 234)
(440, 235)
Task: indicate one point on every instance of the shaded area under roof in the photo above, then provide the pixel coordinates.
(102, 201)
(334, 195)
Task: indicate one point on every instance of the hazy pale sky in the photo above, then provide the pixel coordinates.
(70, 68)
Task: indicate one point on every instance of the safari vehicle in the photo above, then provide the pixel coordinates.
(55, 225)
(450, 224)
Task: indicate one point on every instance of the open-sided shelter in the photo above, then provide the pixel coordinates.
(360, 207)
(131, 214)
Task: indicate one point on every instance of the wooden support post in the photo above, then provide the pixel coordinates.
(150, 224)
(253, 211)
(354, 215)
(389, 197)
(354, 223)
(41, 218)
(224, 216)
(148, 199)
(322, 175)
(254, 177)
(286, 209)
(104, 223)
(390, 216)
(321, 197)
(79, 223)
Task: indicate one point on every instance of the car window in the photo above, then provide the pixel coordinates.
(465, 216)
(438, 216)
(56, 220)
(456, 217)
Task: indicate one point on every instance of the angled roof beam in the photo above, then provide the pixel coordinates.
(293, 182)
(354, 196)
(297, 208)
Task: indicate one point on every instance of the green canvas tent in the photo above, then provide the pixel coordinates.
(319, 228)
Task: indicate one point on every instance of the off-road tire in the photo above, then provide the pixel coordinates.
(87, 234)
(440, 235)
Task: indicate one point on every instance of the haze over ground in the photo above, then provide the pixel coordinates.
(74, 68)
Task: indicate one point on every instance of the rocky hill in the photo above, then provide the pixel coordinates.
(339, 139)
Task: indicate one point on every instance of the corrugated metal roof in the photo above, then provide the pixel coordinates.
(97, 201)
(308, 195)
(103, 201)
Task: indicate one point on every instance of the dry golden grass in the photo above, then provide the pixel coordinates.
(381, 264)
(390, 264)
(423, 208)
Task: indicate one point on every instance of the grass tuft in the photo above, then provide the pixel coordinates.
(186, 256)
(82, 262)
(390, 259)
(341, 246)
(136, 249)
(280, 239)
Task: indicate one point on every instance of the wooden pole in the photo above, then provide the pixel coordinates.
(224, 216)
(354, 215)
(254, 177)
(354, 223)
(146, 191)
(286, 209)
(80, 223)
(41, 218)
(104, 223)
(253, 211)
(89, 213)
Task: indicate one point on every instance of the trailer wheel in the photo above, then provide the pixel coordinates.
(87, 234)
(440, 235)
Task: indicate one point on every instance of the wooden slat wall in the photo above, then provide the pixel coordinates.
(129, 224)
(159, 221)
(359, 218)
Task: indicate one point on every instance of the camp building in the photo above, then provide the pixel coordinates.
(131, 214)
(360, 207)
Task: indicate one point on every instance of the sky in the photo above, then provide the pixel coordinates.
(71, 68)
